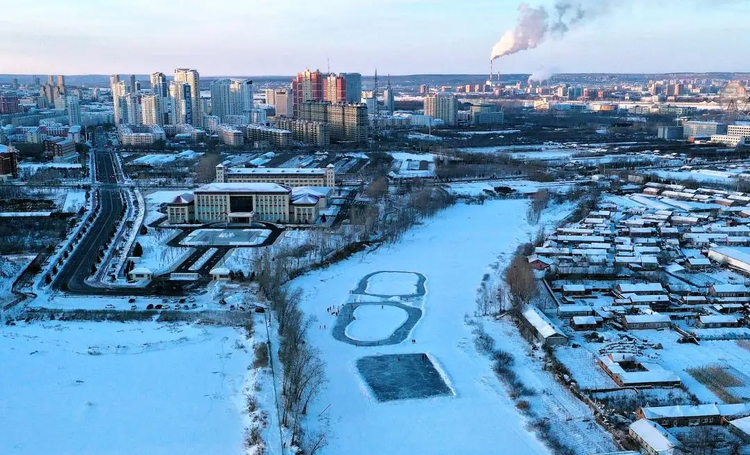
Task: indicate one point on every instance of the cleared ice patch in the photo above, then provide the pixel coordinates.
(375, 322)
(392, 283)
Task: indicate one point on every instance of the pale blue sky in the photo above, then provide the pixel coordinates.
(281, 37)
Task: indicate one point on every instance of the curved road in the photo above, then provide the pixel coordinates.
(72, 277)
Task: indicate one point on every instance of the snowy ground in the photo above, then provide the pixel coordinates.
(480, 416)
(157, 256)
(74, 200)
(11, 267)
(111, 388)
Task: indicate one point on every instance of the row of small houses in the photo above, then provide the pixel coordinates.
(650, 429)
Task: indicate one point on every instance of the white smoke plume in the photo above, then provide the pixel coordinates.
(534, 24)
(542, 74)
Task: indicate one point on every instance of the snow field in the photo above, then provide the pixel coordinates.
(480, 415)
(115, 389)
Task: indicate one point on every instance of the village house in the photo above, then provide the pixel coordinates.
(654, 439)
(628, 371)
(714, 321)
(646, 321)
(693, 415)
(543, 329)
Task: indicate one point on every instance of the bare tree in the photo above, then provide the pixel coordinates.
(206, 169)
(522, 285)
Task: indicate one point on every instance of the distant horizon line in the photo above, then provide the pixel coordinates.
(393, 75)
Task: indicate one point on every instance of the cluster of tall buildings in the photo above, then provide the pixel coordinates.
(333, 88)
(174, 102)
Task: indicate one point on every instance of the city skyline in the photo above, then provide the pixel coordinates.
(400, 37)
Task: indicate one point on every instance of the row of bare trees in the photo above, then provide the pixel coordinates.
(303, 370)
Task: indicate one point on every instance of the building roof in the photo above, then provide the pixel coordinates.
(183, 199)
(700, 410)
(305, 199)
(639, 287)
(540, 322)
(742, 424)
(584, 320)
(647, 318)
(655, 436)
(219, 271)
(140, 271)
(719, 319)
(722, 288)
(320, 191)
(244, 188)
(275, 171)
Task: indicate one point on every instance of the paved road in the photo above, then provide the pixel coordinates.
(72, 277)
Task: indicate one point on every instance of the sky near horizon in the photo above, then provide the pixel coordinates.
(282, 37)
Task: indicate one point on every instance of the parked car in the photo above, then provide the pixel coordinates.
(195, 306)
(109, 306)
(159, 306)
(150, 306)
(131, 300)
(133, 307)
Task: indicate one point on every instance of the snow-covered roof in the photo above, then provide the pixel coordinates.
(320, 191)
(647, 318)
(731, 253)
(574, 288)
(140, 271)
(220, 271)
(742, 424)
(574, 309)
(185, 198)
(274, 171)
(243, 188)
(722, 288)
(584, 320)
(639, 287)
(655, 436)
(305, 199)
(719, 319)
(541, 323)
(700, 410)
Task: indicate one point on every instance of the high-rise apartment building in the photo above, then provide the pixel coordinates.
(133, 106)
(231, 97)
(151, 110)
(160, 88)
(192, 79)
(74, 110)
(343, 88)
(348, 122)
(133, 86)
(182, 103)
(442, 106)
(353, 83)
(335, 89)
(307, 86)
(220, 98)
(389, 98)
(284, 103)
(9, 103)
(117, 94)
(242, 96)
(270, 96)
